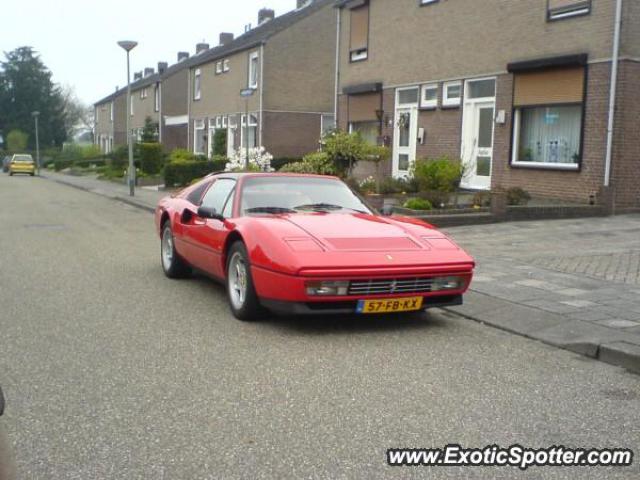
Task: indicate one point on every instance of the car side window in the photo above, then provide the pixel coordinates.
(195, 196)
(228, 208)
(217, 195)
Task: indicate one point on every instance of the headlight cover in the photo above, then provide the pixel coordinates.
(447, 283)
(327, 288)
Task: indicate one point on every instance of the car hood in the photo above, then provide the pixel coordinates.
(359, 241)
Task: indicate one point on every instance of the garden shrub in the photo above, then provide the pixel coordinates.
(442, 174)
(180, 171)
(482, 199)
(517, 196)
(220, 142)
(418, 204)
(390, 185)
(150, 157)
(317, 163)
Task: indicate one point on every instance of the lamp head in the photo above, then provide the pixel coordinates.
(128, 45)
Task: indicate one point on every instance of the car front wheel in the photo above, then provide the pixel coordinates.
(240, 289)
(172, 264)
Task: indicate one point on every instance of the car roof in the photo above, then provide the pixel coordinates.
(238, 175)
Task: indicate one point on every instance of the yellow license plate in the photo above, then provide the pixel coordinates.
(390, 305)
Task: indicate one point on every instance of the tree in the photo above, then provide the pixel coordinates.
(345, 150)
(78, 116)
(149, 131)
(26, 86)
(17, 141)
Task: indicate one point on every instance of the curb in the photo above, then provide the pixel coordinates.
(572, 335)
(117, 198)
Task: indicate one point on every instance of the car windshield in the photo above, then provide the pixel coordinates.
(284, 194)
(22, 158)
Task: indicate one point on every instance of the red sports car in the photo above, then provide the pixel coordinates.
(306, 244)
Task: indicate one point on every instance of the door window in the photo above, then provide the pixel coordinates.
(404, 129)
(485, 128)
(216, 197)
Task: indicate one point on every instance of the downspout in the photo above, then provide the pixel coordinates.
(189, 142)
(159, 111)
(337, 79)
(261, 86)
(613, 92)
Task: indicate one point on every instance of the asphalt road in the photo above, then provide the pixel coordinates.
(113, 371)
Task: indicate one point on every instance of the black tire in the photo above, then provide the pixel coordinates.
(173, 266)
(249, 310)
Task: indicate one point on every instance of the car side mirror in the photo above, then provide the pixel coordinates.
(387, 210)
(209, 212)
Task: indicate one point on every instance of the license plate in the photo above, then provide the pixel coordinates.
(410, 304)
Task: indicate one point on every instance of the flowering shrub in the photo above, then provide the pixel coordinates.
(259, 160)
(368, 185)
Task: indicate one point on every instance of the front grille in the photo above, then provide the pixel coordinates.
(390, 286)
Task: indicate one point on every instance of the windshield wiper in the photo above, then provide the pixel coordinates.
(274, 210)
(326, 207)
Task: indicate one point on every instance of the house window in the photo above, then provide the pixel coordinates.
(225, 65)
(359, 37)
(429, 97)
(156, 98)
(196, 85)
(131, 107)
(251, 130)
(452, 94)
(547, 116)
(327, 124)
(427, 2)
(225, 121)
(253, 70)
(199, 137)
(560, 9)
(111, 111)
(407, 96)
(368, 131)
(485, 88)
(218, 68)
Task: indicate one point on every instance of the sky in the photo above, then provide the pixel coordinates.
(76, 39)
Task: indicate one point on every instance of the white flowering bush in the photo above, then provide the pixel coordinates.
(259, 160)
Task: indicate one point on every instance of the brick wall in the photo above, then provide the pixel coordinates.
(626, 148)
(291, 134)
(576, 186)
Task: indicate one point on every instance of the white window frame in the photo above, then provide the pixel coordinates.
(427, 2)
(226, 65)
(198, 125)
(218, 68)
(411, 104)
(111, 111)
(424, 103)
(360, 55)
(196, 85)
(212, 122)
(446, 100)
(578, 9)
(156, 98)
(515, 142)
(225, 121)
(253, 70)
(131, 107)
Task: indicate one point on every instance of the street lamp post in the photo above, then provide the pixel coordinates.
(128, 45)
(36, 114)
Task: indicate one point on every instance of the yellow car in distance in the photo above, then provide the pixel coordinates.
(22, 163)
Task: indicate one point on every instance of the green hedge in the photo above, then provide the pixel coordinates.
(150, 157)
(183, 172)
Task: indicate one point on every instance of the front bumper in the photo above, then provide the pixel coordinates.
(347, 307)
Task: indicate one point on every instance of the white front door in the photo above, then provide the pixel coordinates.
(231, 138)
(477, 144)
(405, 139)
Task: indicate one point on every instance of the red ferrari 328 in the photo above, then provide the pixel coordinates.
(306, 244)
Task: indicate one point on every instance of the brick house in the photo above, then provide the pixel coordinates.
(145, 100)
(289, 63)
(174, 103)
(109, 121)
(519, 90)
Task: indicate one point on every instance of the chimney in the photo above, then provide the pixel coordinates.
(265, 14)
(162, 67)
(302, 3)
(201, 47)
(183, 56)
(225, 38)
(137, 76)
(148, 71)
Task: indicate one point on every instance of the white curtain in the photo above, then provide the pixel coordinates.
(550, 134)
